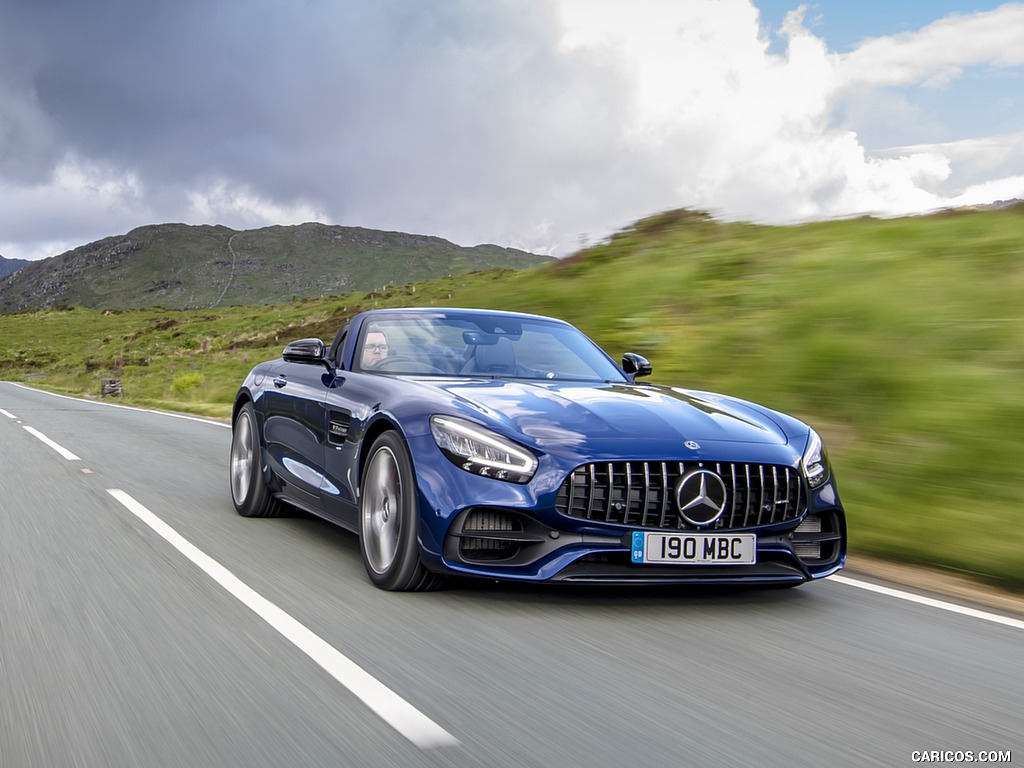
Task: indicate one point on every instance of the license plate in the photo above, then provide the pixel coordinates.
(695, 548)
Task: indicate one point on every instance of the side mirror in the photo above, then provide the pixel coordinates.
(635, 365)
(305, 351)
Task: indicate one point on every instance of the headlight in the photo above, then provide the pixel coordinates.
(478, 450)
(814, 463)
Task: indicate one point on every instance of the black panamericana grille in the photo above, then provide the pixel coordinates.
(642, 494)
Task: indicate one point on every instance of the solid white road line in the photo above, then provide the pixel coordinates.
(929, 601)
(8, 414)
(123, 407)
(59, 449)
(394, 710)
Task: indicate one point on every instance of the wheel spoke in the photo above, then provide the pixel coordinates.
(388, 543)
(241, 460)
(382, 510)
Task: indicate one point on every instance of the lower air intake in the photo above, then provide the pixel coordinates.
(489, 547)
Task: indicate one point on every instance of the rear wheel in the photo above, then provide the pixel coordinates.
(248, 487)
(389, 520)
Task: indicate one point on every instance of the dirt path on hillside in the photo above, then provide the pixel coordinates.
(231, 277)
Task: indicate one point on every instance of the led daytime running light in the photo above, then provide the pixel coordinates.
(480, 451)
(815, 461)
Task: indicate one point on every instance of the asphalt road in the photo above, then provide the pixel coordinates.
(152, 626)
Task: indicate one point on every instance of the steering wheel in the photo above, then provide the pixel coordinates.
(405, 365)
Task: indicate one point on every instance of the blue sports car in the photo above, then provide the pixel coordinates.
(509, 446)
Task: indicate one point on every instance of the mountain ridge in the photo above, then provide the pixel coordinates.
(8, 266)
(183, 266)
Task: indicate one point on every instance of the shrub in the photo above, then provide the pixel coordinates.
(186, 382)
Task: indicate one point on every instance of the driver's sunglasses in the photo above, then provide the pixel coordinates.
(375, 347)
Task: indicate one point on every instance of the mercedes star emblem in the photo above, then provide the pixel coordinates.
(700, 496)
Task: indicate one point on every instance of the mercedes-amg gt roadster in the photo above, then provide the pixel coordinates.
(468, 442)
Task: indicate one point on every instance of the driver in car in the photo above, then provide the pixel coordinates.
(375, 348)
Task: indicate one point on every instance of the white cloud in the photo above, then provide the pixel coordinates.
(239, 207)
(940, 52)
(81, 199)
(34, 250)
(994, 190)
(751, 134)
(985, 155)
(987, 169)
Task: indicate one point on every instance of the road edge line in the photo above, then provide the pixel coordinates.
(931, 602)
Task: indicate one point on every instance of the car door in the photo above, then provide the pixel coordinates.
(346, 413)
(352, 399)
(295, 430)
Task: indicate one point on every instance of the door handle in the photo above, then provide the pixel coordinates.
(280, 381)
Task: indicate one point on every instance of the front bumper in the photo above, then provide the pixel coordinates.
(508, 544)
(479, 527)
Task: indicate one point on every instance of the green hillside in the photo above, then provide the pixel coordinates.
(901, 340)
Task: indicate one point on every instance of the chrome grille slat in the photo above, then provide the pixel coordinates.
(571, 482)
(609, 500)
(775, 493)
(646, 495)
(641, 494)
(799, 497)
(760, 497)
(628, 501)
(720, 522)
(733, 495)
(591, 491)
(664, 496)
(746, 497)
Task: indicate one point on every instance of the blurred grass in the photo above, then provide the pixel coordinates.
(901, 341)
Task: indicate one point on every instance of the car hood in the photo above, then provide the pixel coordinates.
(597, 418)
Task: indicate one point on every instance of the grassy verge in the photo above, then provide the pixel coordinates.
(902, 341)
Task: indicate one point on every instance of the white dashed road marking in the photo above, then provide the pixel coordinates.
(58, 448)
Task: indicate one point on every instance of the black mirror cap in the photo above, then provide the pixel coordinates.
(305, 351)
(636, 365)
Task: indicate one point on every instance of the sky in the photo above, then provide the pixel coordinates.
(537, 124)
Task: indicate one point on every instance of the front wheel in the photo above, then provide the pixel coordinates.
(389, 520)
(248, 487)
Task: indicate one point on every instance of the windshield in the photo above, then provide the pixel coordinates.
(493, 346)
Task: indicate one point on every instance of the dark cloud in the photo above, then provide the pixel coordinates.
(394, 113)
(469, 119)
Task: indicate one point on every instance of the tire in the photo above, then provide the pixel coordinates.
(248, 486)
(389, 520)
